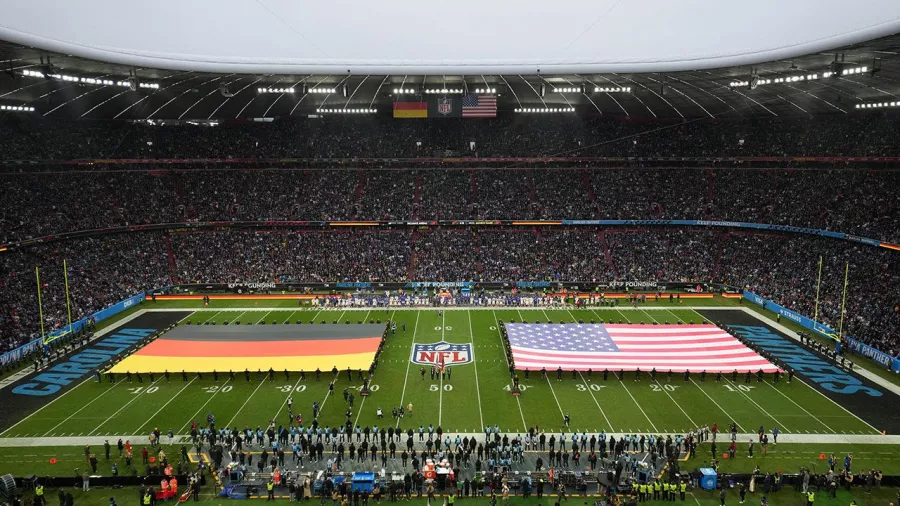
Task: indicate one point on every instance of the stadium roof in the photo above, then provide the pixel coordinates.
(436, 37)
(65, 84)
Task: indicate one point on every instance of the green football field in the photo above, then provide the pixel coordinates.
(477, 395)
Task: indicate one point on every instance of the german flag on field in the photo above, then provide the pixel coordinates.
(295, 347)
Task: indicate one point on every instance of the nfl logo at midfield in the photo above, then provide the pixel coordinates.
(445, 106)
(442, 353)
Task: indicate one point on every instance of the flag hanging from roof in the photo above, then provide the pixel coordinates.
(479, 106)
(631, 346)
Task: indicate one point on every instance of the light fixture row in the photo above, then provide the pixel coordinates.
(16, 108)
(346, 111)
(544, 109)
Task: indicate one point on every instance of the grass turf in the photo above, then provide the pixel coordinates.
(476, 395)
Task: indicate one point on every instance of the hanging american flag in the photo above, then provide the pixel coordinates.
(479, 106)
(630, 346)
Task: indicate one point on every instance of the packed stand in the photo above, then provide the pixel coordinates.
(101, 271)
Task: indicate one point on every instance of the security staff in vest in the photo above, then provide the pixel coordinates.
(147, 499)
(810, 498)
(643, 492)
(270, 489)
(672, 488)
(682, 489)
(39, 495)
(656, 489)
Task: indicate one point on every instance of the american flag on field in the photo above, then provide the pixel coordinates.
(629, 347)
(479, 106)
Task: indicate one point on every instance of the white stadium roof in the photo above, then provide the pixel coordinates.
(442, 37)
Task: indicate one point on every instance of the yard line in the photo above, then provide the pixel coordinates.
(81, 408)
(138, 431)
(261, 383)
(497, 325)
(203, 406)
(236, 318)
(588, 387)
(210, 318)
(561, 412)
(316, 315)
(291, 393)
(756, 404)
(623, 315)
(799, 406)
(408, 363)
(475, 363)
(289, 317)
(662, 387)
(142, 392)
(363, 401)
(717, 404)
(263, 318)
(441, 386)
(636, 402)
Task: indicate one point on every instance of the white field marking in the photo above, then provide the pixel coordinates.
(623, 316)
(475, 363)
(561, 412)
(290, 394)
(408, 363)
(191, 419)
(799, 406)
(756, 404)
(262, 382)
(316, 315)
(622, 382)
(503, 349)
(441, 387)
(236, 317)
(143, 392)
(677, 319)
(362, 403)
(586, 386)
(716, 403)
(289, 318)
(263, 317)
(759, 317)
(106, 330)
(138, 431)
(210, 318)
(693, 423)
(81, 408)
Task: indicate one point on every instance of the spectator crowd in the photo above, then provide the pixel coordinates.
(49, 198)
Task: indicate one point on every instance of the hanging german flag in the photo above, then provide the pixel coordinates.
(222, 348)
(410, 109)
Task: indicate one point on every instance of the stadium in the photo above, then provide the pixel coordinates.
(284, 252)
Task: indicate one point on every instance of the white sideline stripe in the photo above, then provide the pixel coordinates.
(877, 439)
(97, 335)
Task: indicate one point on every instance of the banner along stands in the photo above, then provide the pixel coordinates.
(882, 358)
